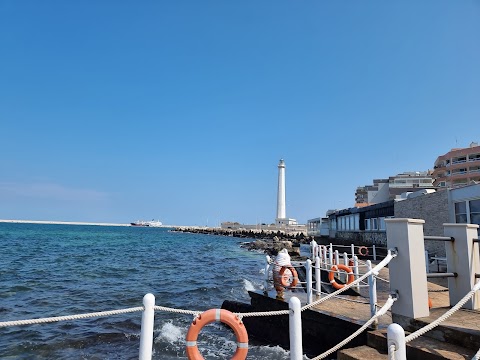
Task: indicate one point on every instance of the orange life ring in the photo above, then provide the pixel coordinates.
(225, 317)
(363, 250)
(284, 279)
(331, 275)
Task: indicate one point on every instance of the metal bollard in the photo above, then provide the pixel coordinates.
(318, 278)
(355, 271)
(308, 269)
(330, 255)
(374, 253)
(146, 334)
(325, 256)
(396, 337)
(295, 328)
(345, 262)
(427, 263)
(372, 291)
(267, 269)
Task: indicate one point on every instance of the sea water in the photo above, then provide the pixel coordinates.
(56, 270)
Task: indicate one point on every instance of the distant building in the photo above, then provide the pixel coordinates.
(392, 188)
(366, 225)
(458, 167)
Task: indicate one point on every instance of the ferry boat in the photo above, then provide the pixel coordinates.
(142, 223)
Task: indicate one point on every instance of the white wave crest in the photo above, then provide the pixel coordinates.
(248, 285)
(171, 333)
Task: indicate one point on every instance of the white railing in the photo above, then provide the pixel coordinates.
(465, 238)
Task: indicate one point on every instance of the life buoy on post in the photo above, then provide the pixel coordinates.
(225, 317)
(363, 250)
(331, 275)
(284, 278)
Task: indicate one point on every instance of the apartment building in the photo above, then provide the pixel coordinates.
(384, 190)
(458, 167)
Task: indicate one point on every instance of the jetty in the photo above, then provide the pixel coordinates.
(49, 222)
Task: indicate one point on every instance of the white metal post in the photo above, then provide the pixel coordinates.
(325, 256)
(396, 337)
(407, 269)
(427, 262)
(352, 248)
(267, 269)
(374, 253)
(355, 271)
(330, 253)
(314, 246)
(308, 269)
(337, 258)
(295, 329)
(372, 292)
(463, 259)
(318, 278)
(146, 334)
(345, 262)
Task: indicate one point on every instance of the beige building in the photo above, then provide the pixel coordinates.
(458, 167)
(392, 188)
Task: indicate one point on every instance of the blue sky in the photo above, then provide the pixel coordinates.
(180, 110)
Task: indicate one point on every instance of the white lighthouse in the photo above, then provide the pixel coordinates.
(282, 219)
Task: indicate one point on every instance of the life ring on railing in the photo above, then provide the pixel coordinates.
(225, 317)
(284, 278)
(331, 275)
(363, 250)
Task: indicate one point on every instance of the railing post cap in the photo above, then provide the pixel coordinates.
(407, 220)
(294, 301)
(149, 300)
(395, 329)
(468, 226)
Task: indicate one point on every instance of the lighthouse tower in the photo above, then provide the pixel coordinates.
(281, 219)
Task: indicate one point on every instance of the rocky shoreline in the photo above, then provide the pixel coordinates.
(269, 242)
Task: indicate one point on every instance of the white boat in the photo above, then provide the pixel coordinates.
(151, 223)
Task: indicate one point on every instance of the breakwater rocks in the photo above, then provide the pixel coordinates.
(268, 241)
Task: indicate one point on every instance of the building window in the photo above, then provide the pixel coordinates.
(475, 212)
(381, 223)
(367, 224)
(461, 212)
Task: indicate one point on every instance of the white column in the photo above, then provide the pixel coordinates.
(396, 337)
(146, 333)
(295, 329)
(407, 269)
(463, 259)
(281, 214)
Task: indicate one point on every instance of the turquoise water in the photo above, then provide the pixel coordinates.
(55, 270)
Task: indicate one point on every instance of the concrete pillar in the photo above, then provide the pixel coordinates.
(281, 213)
(407, 270)
(463, 259)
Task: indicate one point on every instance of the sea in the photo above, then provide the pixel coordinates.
(54, 270)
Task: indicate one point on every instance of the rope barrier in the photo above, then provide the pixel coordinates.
(70, 317)
(382, 311)
(445, 316)
(178, 311)
(390, 255)
(391, 352)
